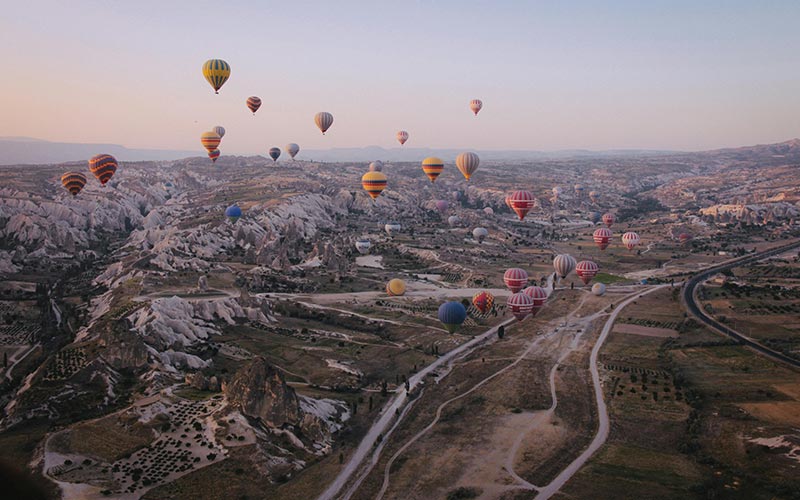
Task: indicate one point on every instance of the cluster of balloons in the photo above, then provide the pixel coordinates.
(102, 166)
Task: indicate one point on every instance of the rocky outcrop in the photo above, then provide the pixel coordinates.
(259, 391)
(123, 349)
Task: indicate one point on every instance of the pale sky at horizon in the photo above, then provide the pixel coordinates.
(645, 75)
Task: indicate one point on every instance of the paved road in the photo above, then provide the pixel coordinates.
(690, 299)
(602, 413)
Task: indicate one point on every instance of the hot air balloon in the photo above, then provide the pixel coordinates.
(442, 206)
(363, 245)
(452, 315)
(556, 192)
(602, 237)
(488, 211)
(630, 240)
(74, 182)
(508, 201)
(210, 140)
(402, 137)
(214, 155)
(578, 190)
(233, 213)
(475, 105)
(586, 270)
(599, 289)
(253, 103)
(480, 234)
(432, 166)
(274, 153)
(373, 183)
(456, 195)
(483, 301)
(292, 149)
(521, 305)
(376, 166)
(467, 164)
(595, 217)
(220, 131)
(521, 202)
(392, 228)
(216, 72)
(453, 220)
(539, 297)
(564, 264)
(515, 279)
(684, 238)
(608, 219)
(324, 120)
(103, 167)
(594, 196)
(395, 287)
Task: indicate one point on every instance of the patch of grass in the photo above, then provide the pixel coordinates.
(608, 279)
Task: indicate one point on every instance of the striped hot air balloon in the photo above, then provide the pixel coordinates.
(373, 183)
(521, 305)
(274, 153)
(452, 315)
(599, 289)
(376, 166)
(210, 140)
(594, 196)
(402, 137)
(392, 228)
(363, 245)
(74, 182)
(292, 149)
(521, 202)
(480, 234)
(483, 301)
(453, 220)
(602, 237)
(219, 130)
(475, 105)
(467, 164)
(395, 287)
(103, 167)
(630, 240)
(608, 219)
(253, 103)
(515, 279)
(586, 270)
(216, 72)
(432, 166)
(324, 120)
(214, 155)
(539, 297)
(564, 264)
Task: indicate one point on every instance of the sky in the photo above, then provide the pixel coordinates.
(681, 75)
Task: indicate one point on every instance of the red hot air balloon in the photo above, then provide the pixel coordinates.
(602, 237)
(684, 238)
(214, 155)
(402, 137)
(515, 279)
(630, 240)
(521, 305)
(586, 270)
(442, 206)
(539, 296)
(483, 301)
(253, 103)
(521, 202)
(608, 219)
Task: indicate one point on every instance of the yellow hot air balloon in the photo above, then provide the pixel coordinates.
(467, 163)
(373, 183)
(432, 166)
(396, 287)
(210, 140)
(216, 72)
(324, 120)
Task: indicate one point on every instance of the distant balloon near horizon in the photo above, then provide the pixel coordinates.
(475, 105)
(467, 163)
(324, 120)
(253, 103)
(220, 130)
(73, 182)
(292, 149)
(210, 140)
(402, 137)
(274, 153)
(216, 72)
(103, 166)
(376, 166)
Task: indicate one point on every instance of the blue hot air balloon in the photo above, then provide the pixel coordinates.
(595, 217)
(452, 314)
(233, 213)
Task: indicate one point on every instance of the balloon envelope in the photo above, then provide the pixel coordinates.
(324, 120)
(103, 167)
(73, 182)
(467, 164)
(216, 73)
(452, 315)
(292, 149)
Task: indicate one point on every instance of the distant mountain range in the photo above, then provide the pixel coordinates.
(26, 150)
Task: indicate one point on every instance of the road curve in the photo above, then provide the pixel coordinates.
(690, 299)
(602, 413)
